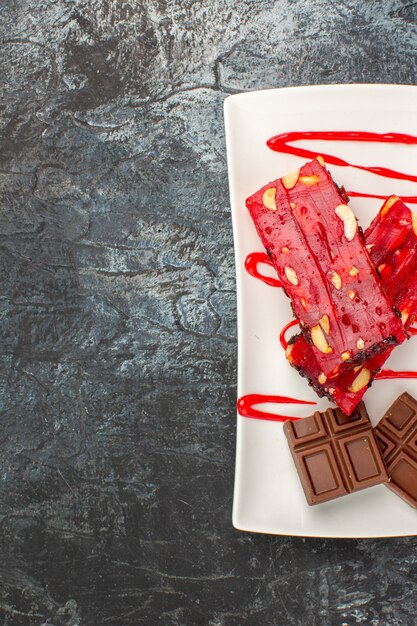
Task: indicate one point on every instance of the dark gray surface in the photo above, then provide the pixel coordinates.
(118, 316)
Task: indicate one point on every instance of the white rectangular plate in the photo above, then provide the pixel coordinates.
(268, 497)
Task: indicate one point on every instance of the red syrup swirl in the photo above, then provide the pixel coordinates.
(279, 143)
(245, 406)
(282, 340)
(358, 194)
(251, 265)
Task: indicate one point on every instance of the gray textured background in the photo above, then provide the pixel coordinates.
(118, 316)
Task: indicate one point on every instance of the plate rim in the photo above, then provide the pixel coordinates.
(229, 103)
(326, 86)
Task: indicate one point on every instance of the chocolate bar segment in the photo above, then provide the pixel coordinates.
(392, 243)
(335, 454)
(318, 251)
(396, 435)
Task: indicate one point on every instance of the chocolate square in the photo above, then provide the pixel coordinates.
(396, 435)
(335, 454)
(317, 468)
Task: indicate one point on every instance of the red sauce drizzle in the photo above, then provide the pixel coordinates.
(283, 341)
(246, 403)
(358, 194)
(251, 266)
(387, 374)
(279, 143)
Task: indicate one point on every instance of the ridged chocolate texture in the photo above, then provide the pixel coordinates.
(396, 435)
(335, 454)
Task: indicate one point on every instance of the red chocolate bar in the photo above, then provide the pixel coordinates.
(347, 388)
(318, 251)
(392, 242)
(396, 435)
(335, 454)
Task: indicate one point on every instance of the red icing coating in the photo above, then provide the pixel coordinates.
(251, 265)
(245, 406)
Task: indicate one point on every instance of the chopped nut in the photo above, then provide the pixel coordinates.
(360, 344)
(321, 160)
(293, 205)
(336, 280)
(361, 380)
(319, 340)
(353, 271)
(345, 356)
(352, 294)
(285, 250)
(332, 391)
(350, 225)
(404, 315)
(325, 324)
(309, 180)
(304, 303)
(268, 199)
(369, 246)
(385, 269)
(414, 222)
(388, 204)
(290, 180)
(322, 378)
(291, 275)
(288, 351)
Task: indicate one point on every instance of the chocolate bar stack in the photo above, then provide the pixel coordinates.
(336, 454)
(354, 295)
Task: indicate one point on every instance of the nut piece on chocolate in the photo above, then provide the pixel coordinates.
(396, 435)
(335, 454)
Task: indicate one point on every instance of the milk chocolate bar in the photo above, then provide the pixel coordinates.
(396, 435)
(318, 251)
(391, 240)
(335, 454)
